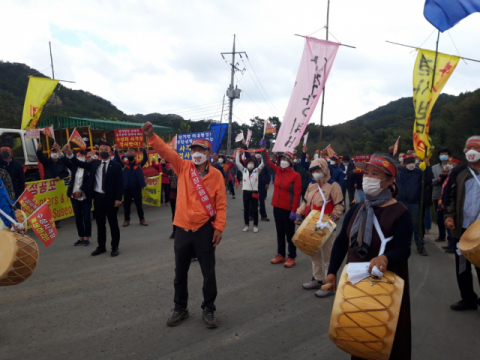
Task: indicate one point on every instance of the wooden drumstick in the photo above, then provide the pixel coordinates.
(327, 286)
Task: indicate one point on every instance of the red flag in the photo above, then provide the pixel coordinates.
(77, 139)
(396, 146)
(330, 151)
(270, 128)
(43, 224)
(28, 202)
(48, 131)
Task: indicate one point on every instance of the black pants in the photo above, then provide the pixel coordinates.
(200, 242)
(262, 192)
(104, 211)
(231, 187)
(134, 194)
(285, 231)
(250, 207)
(465, 280)
(351, 193)
(82, 211)
(166, 193)
(173, 205)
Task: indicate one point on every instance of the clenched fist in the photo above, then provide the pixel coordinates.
(148, 129)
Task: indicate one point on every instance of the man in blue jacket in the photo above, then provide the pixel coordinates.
(133, 183)
(335, 172)
(409, 181)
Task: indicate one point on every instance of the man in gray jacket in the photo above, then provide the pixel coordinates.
(437, 170)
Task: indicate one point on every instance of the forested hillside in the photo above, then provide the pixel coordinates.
(454, 118)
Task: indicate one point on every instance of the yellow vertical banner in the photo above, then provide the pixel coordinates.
(152, 193)
(425, 95)
(38, 92)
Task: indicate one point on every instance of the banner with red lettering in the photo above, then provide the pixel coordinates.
(48, 131)
(43, 224)
(361, 158)
(28, 202)
(330, 152)
(32, 133)
(77, 139)
(317, 60)
(129, 138)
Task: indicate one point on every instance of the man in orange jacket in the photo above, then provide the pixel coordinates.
(200, 218)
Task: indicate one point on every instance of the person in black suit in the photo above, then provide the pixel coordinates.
(107, 195)
(80, 192)
(347, 167)
(14, 169)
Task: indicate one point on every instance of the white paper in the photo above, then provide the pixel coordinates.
(358, 271)
(239, 137)
(305, 137)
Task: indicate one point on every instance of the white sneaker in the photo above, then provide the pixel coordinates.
(246, 228)
(324, 293)
(255, 229)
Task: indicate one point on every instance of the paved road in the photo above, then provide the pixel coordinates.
(79, 307)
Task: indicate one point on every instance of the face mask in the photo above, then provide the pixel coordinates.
(94, 157)
(81, 159)
(371, 186)
(250, 166)
(472, 155)
(410, 167)
(5, 154)
(220, 161)
(449, 167)
(443, 157)
(400, 159)
(284, 164)
(258, 156)
(131, 158)
(54, 156)
(199, 158)
(85, 139)
(317, 176)
(417, 162)
(104, 155)
(345, 163)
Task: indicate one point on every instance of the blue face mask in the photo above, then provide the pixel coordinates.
(443, 157)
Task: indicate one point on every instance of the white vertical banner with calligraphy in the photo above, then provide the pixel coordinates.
(316, 63)
(249, 137)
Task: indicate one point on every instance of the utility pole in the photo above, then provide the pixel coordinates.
(232, 93)
(323, 92)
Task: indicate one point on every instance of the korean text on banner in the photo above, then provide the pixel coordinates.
(43, 224)
(77, 139)
(152, 193)
(28, 202)
(361, 158)
(32, 133)
(129, 138)
(330, 152)
(270, 129)
(48, 131)
(38, 92)
(185, 140)
(425, 96)
(316, 63)
(55, 192)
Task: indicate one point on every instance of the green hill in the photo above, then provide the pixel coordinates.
(454, 118)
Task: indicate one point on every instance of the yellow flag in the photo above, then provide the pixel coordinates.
(424, 95)
(38, 92)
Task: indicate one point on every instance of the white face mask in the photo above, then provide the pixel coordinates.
(220, 161)
(472, 156)
(54, 156)
(81, 159)
(199, 158)
(284, 164)
(258, 156)
(410, 167)
(250, 166)
(94, 157)
(449, 167)
(400, 159)
(371, 186)
(417, 162)
(317, 176)
(85, 139)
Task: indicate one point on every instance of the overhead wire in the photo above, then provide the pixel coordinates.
(458, 52)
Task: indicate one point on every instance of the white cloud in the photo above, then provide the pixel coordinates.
(158, 56)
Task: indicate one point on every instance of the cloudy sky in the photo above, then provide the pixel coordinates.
(164, 56)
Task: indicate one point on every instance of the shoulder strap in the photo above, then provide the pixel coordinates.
(380, 234)
(474, 176)
(201, 191)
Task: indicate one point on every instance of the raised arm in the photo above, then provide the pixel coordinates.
(145, 157)
(237, 161)
(261, 166)
(41, 156)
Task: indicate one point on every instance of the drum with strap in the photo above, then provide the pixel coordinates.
(469, 243)
(18, 257)
(365, 313)
(314, 231)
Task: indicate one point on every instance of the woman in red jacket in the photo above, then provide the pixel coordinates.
(287, 189)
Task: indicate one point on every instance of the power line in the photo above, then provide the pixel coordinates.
(196, 106)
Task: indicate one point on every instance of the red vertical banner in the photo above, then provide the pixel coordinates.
(129, 138)
(43, 224)
(77, 139)
(28, 202)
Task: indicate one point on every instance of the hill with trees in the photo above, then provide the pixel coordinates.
(453, 120)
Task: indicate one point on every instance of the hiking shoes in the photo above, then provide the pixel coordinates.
(177, 317)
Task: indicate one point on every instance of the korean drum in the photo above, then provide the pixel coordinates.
(308, 238)
(18, 257)
(469, 243)
(365, 315)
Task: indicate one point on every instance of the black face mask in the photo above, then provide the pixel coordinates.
(104, 155)
(5, 154)
(131, 158)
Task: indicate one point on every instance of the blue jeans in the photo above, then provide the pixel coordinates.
(360, 196)
(414, 209)
(440, 221)
(82, 210)
(427, 220)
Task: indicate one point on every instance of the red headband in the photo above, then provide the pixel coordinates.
(473, 142)
(455, 160)
(381, 162)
